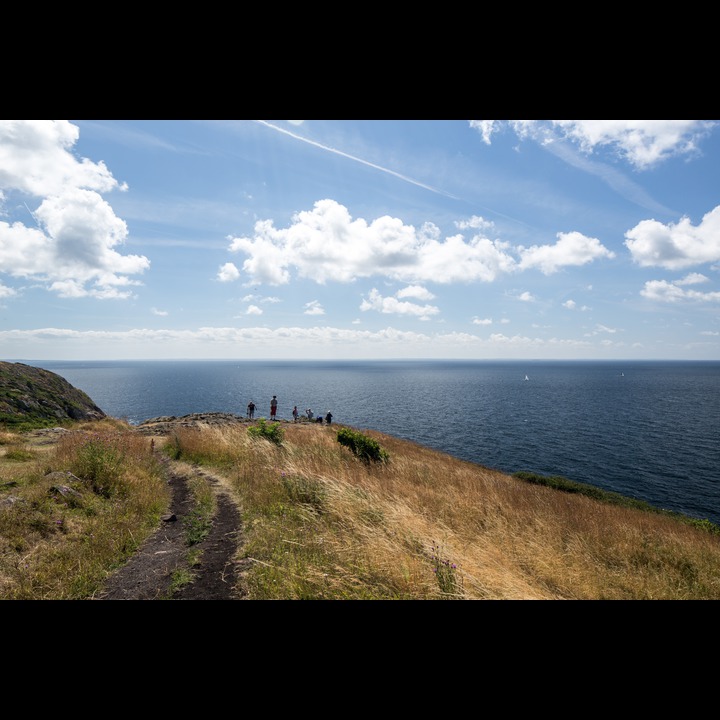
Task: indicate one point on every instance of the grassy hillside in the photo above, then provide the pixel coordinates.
(335, 513)
(33, 397)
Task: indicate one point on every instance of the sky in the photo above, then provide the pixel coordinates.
(359, 239)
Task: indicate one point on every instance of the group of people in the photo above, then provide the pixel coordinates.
(295, 413)
(319, 418)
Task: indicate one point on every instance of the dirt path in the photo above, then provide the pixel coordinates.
(149, 574)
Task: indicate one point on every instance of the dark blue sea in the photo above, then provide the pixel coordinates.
(649, 430)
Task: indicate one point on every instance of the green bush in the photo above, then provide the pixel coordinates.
(362, 446)
(272, 432)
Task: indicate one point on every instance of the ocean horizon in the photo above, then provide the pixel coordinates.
(645, 429)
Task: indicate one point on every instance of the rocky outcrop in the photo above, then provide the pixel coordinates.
(168, 423)
(33, 395)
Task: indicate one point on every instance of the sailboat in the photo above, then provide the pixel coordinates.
(526, 377)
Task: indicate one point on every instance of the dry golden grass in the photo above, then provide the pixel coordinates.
(63, 529)
(319, 523)
(323, 524)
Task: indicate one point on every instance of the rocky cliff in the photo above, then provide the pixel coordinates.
(40, 397)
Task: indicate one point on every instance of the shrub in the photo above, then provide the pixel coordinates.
(362, 446)
(272, 432)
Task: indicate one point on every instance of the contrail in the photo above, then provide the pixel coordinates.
(357, 159)
(31, 213)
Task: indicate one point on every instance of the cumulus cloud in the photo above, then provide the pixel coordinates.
(676, 245)
(415, 291)
(161, 313)
(476, 222)
(663, 291)
(327, 244)
(253, 310)
(313, 308)
(228, 273)
(73, 246)
(391, 305)
(36, 158)
(692, 279)
(482, 321)
(642, 143)
(572, 248)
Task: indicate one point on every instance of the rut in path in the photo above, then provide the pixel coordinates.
(148, 575)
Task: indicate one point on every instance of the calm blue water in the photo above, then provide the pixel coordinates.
(649, 430)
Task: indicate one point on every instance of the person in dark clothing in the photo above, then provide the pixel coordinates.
(251, 410)
(328, 417)
(273, 407)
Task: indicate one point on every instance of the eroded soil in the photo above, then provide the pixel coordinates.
(150, 573)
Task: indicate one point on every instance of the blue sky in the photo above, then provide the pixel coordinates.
(359, 239)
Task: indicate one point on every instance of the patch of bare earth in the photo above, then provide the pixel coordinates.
(150, 573)
(215, 572)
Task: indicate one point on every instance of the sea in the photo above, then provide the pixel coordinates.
(646, 429)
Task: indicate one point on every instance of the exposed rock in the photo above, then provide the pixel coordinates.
(165, 424)
(34, 395)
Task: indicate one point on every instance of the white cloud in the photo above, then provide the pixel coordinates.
(486, 128)
(569, 304)
(161, 313)
(675, 246)
(261, 342)
(643, 143)
(313, 308)
(6, 291)
(664, 291)
(73, 245)
(253, 310)
(476, 222)
(572, 248)
(36, 158)
(392, 305)
(415, 291)
(228, 272)
(327, 244)
(526, 297)
(693, 279)
(482, 321)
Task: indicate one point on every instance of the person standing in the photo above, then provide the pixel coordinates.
(328, 417)
(251, 410)
(273, 407)
(295, 414)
